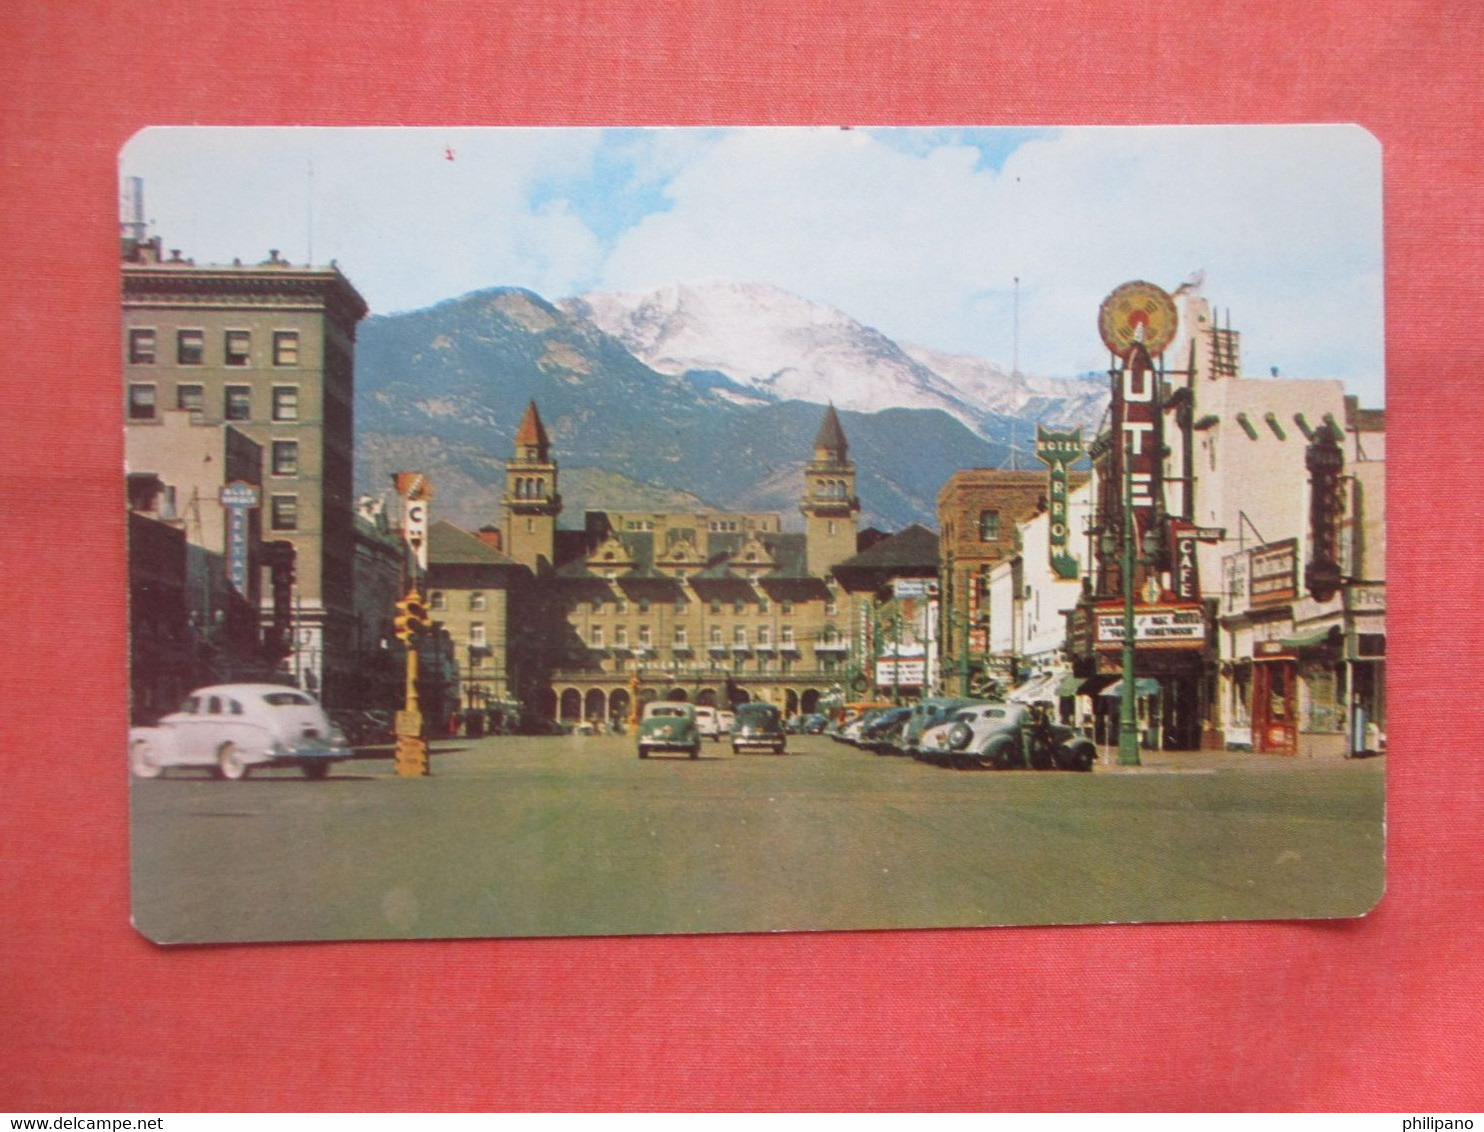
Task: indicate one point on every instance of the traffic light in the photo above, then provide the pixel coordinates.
(412, 617)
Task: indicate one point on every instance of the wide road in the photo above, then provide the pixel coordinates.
(576, 836)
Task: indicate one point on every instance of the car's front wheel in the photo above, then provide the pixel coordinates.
(315, 768)
(695, 752)
(1001, 754)
(644, 752)
(229, 762)
(142, 760)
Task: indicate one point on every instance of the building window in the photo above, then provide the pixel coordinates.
(238, 347)
(739, 637)
(437, 600)
(989, 526)
(285, 402)
(739, 606)
(237, 403)
(142, 346)
(715, 605)
(787, 607)
(190, 398)
(786, 635)
(682, 637)
(285, 347)
(476, 634)
(621, 637)
(477, 601)
(716, 634)
(680, 605)
(643, 605)
(762, 605)
(643, 636)
(285, 513)
(764, 636)
(285, 457)
(190, 347)
(620, 606)
(832, 604)
(141, 402)
(597, 636)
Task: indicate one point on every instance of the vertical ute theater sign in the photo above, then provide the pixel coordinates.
(1137, 321)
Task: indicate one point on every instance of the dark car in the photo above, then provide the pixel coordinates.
(880, 733)
(758, 727)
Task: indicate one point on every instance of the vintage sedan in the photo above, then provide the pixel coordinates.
(235, 727)
(669, 726)
(1002, 736)
(758, 727)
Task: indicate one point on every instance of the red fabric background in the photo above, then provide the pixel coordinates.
(1376, 1014)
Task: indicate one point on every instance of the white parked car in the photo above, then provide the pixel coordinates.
(725, 721)
(235, 727)
(707, 723)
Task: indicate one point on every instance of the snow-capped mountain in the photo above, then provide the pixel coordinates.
(773, 345)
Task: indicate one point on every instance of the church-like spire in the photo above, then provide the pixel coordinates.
(531, 441)
(831, 439)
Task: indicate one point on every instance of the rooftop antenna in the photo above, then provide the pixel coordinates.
(1015, 337)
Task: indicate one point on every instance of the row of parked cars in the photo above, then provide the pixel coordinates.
(968, 734)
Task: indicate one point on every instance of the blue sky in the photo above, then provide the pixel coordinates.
(918, 232)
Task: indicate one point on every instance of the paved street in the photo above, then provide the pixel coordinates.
(574, 835)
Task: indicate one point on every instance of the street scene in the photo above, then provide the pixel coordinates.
(573, 835)
(635, 531)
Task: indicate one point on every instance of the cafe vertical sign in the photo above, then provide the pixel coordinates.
(1059, 451)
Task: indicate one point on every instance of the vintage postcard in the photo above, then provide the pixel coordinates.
(550, 532)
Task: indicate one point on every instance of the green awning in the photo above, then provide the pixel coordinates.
(1143, 686)
(1317, 639)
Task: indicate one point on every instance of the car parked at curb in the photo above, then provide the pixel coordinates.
(758, 726)
(1005, 736)
(669, 726)
(234, 728)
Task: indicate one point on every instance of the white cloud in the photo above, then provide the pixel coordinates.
(921, 240)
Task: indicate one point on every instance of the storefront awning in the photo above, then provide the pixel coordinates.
(1143, 686)
(1317, 639)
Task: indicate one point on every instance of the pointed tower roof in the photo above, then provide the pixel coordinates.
(532, 433)
(831, 436)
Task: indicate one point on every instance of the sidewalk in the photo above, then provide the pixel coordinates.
(1210, 762)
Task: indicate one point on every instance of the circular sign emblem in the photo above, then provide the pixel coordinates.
(1137, 312)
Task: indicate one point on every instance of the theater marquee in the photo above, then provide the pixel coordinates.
(1155, 627)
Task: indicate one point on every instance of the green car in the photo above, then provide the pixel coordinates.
(758, 727)
(669, 726)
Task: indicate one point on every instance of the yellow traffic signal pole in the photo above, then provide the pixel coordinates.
(412, 748)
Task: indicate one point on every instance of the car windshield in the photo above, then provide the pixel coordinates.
(667, 713)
